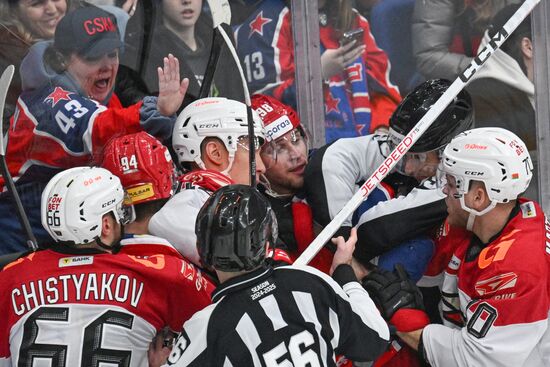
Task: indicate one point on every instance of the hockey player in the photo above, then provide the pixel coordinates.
(146, 171)
(68, 112)
(285, 159)
(496, 288)
(264, 316)
(336, 171)
(210, 139)
(80, 302)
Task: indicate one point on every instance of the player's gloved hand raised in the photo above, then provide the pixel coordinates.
(397, 297)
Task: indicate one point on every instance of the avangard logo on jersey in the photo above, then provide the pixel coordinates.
(75, 261)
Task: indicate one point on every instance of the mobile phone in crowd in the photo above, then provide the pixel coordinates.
(353, 35)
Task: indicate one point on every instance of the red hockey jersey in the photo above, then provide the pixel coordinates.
(496, 298)
(71, 309)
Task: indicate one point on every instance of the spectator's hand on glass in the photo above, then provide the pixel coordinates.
(335, 60)
(344, 250)
(171, 89)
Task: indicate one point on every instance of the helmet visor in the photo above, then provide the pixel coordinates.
(419, 165)
(125, 211)
(292, 144)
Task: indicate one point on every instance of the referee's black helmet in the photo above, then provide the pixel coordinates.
(457, 117)
(233, 229)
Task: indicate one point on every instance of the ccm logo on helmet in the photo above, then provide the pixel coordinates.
(278, 128)
(110, 202)
(210, 125)
(99, 25)
(474, 173)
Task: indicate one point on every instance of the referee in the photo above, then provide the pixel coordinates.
(265, 316)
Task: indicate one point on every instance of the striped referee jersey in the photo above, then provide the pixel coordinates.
(284, 316)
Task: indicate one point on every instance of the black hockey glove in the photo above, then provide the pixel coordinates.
(392, 291)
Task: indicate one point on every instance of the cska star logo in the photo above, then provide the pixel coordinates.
(331, 103)
(57, 95)
(257, 25)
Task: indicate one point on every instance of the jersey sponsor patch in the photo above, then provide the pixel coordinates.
(278, 128)
(454, 264)
(528, 210)
(496, 283)
(75, 261)
(141, 192)
(497, 251)
(482, 320)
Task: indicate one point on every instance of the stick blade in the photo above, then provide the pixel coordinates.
(221, 12)
(5, 81)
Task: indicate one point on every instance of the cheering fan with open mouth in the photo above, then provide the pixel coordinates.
(68, 112)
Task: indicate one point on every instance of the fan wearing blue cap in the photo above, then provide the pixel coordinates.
(68, 112)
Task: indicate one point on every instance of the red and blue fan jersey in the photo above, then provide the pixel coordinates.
(357, 101)
(55, 129)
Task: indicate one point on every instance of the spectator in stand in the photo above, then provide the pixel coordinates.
(359, 97)
(496, 287)
(68, 112)
(364, 7)
(22, 23)
(503, 92)
(446, 33)
(211, 142)
(183, 29)
(83, 301)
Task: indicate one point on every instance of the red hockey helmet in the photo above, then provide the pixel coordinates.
(143, 165)
(278, 117)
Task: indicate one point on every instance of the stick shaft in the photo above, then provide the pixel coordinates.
(5, 82)
(437, 108)
(221, 15)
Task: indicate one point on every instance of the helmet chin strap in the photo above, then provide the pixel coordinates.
(475, 213)
(225, 172)
(115, 246)
(268, 190)
(231, 159)
(470, 222)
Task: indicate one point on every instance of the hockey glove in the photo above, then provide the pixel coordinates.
(397, 297)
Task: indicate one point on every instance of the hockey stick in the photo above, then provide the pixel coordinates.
(5, 81)
(221, 16)
(422, 125)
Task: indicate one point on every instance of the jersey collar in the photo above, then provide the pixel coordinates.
(242, 282)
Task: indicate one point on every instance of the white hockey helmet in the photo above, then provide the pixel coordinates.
(75, 200)
(494, 156)
(217, 117)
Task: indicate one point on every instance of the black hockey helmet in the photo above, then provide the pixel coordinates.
(456, 118)
(233, 227)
